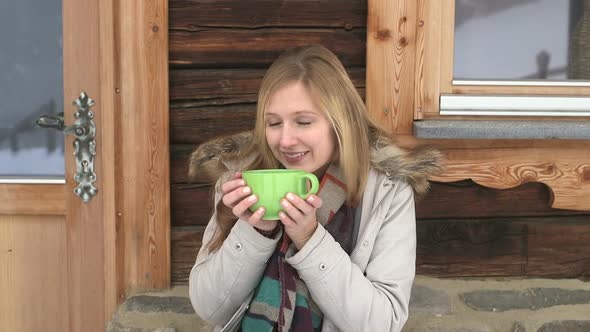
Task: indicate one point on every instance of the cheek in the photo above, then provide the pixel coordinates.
(330, 146)
(272, 141)
(269, 138)
(328, 138)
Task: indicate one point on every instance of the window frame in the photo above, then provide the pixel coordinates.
(434, 73)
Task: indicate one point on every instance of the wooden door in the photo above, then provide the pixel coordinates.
(66, 264)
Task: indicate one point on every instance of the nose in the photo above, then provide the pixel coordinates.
(288, 137)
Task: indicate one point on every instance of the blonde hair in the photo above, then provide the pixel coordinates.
(332, 90)
(330, 86)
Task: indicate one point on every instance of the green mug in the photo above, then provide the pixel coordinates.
(271, 185)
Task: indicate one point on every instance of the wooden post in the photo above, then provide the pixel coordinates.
(143, 198)
(391, 54)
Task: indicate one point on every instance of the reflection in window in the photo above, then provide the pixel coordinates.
(31, 85)
(522, 39)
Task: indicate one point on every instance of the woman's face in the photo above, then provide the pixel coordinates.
(298, 133)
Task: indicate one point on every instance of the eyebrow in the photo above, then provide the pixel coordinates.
(296, 113)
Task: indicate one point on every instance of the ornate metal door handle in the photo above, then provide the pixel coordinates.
(84, 131)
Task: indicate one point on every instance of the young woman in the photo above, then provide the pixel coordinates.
(341, 260)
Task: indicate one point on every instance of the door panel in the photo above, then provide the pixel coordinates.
(119, 240)
(33, 277)
(32, 199)
(53, 244)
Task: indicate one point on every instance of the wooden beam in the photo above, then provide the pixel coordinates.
(246, 48)
(563, 165)
(32, 199)
(391, 57)
(186, 242)
(88, 59)
(556, 247)
(467, 199)
(460, 200)
(113, 255)
(341, 14)
(552, 246)
(428, 57)
(565, 170)
(211, 87)
(143, 198)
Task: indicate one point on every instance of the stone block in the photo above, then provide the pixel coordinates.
(566, 326)
(116, 327)
(428, 300)
(147, 303)
(518, 327)
(450, 329)
(532, 299)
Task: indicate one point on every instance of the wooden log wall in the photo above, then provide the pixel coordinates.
(219, 51)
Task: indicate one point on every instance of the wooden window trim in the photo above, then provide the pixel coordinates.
(434, 68)
(408, 44)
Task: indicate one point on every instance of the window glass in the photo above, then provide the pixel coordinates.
(522, 40)
(31, 85)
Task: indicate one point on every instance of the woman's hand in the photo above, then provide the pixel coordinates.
(299, 217)
(237, 196)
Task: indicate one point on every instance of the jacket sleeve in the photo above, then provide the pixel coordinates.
(378, 299)
(221, 281)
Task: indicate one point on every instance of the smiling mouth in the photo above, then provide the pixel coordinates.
(295, 156)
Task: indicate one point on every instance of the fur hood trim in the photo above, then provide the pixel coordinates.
(213, 159)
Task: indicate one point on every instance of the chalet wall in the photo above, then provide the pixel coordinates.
(218, 53)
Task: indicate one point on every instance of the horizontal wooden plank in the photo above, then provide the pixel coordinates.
(215, 86)
(197, 125)
(556, 247)
(191, 204)
(194, 14)
(467, 199)
(179, 156)
(566, 242)
(229, 48)
(33, 199)
(206, 87)
(470, 248)
(185, 244)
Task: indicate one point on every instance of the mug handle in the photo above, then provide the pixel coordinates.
(315, 184)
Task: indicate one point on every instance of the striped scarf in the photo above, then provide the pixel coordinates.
(282, 301)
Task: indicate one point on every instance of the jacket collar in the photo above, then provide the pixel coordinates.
(212, 159)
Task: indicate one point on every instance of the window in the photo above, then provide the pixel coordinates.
(31, 85)
(525, 58)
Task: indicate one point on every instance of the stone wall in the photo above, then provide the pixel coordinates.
(438, 305)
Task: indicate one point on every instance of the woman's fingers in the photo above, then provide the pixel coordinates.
(306, 206)
(241, 211)
(234, 190)
(295, 213)
(286, 220)
(256, 217)
(234, 197)
(315, 201)
(235, 182)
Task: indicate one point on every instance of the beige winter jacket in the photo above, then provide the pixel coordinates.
(366, 291)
